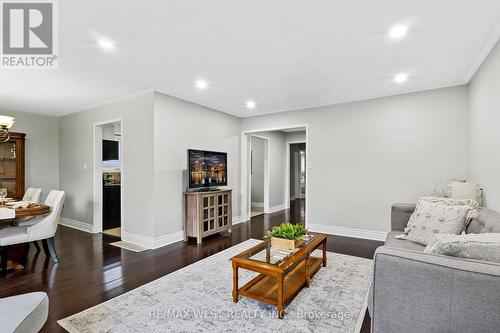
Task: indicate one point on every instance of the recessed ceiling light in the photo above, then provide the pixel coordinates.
(398, 31)
(201, 84)
(106, 44)
(251, 105)
(401, 77)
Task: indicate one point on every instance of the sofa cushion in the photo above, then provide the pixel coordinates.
(484, 247)
(24, 313)
(402, 244)
(486, 221)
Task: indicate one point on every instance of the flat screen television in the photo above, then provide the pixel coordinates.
(206, 169)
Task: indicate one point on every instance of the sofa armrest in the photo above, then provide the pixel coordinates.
(420, 292)
(400, 215)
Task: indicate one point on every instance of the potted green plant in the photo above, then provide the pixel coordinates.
(286, 236)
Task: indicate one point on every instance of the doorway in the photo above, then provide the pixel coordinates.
(297, 180)
(277, 168)
(108, 167)
(257, 170)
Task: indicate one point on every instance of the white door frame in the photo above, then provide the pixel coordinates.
(267, 171)
(97, 176)
(245, 168)
(287, 183)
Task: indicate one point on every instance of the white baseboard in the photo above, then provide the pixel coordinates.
(168, 239)
(77, 225)
(152, 242)
(276, 208)
(258, 204)
(237, 220)
(136, 239)
(245, 218)
(147, 242)
(348, 232)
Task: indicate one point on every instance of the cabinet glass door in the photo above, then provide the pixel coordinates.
(223, 210)
(8, 165)
(208, 209)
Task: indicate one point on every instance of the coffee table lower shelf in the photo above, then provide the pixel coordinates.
(264, 288)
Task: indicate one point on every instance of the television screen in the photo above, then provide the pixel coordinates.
(207, 168)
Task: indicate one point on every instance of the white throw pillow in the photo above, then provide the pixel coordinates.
(431, 218)
(472, 204)
(471, 246)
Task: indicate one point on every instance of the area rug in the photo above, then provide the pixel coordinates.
(197, 298)
(128, 246)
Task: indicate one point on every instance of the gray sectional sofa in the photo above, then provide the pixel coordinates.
(416, 292)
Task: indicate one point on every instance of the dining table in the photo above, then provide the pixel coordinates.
(32, 210)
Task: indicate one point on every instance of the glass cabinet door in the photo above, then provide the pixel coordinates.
(8, 167)
(223, 210)
(208, 213)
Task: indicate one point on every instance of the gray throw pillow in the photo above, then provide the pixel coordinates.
(431, 218)
(434, 215)
(470, 246)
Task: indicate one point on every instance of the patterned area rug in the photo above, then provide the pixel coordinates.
(197, 298)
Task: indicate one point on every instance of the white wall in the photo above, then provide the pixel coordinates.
(299, 136)
(367, 155)
(364, 155)
(258, 147)
(76, 150)
(42, 149)
(484, 144)
(180, 125)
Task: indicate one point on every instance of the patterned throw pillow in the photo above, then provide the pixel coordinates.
(472, 204)
(471, 246)
(435, 215)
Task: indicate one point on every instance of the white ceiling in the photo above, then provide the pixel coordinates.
(284, 55)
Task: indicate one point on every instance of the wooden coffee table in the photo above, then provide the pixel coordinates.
(280, 278)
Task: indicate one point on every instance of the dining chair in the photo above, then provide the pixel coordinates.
(44, 229)
(32, 194)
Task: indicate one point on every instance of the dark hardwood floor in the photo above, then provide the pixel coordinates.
(91, 271)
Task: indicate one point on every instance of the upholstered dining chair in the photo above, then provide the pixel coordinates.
(32, 194)
(44, 229)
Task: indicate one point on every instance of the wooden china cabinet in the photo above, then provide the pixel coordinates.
(12, 165)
